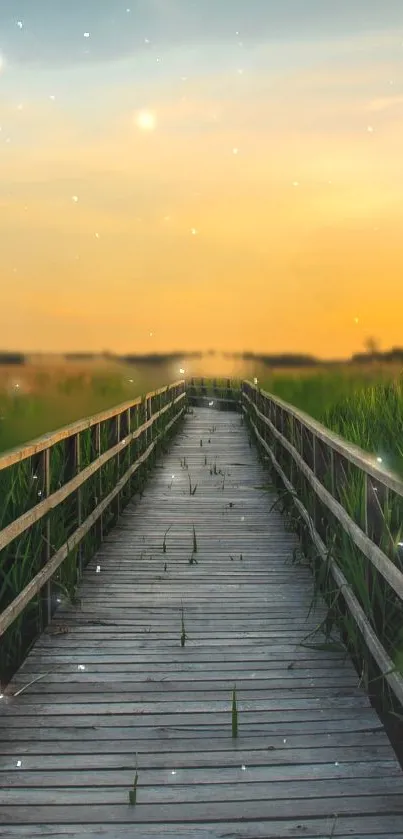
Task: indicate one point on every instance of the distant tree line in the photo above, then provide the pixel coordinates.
(80, 356)
(281, 360)
(395, 354)
(157, 358)
(12, 358)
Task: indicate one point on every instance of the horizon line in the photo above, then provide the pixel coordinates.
(245, 355)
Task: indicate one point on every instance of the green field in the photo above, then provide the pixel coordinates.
(37, 399)
(363, 406)
(362, 403)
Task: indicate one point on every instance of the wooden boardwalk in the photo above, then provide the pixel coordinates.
(311, 758)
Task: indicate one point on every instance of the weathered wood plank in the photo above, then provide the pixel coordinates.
(118, 682)
(133, 732)
(184, 768)
(190, 707)
(158, 743)
(183, 720)
(56, 686)
(206, 811)
(183, 795)
(363, 827)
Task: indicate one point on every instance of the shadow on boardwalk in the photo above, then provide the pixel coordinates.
(311, 758)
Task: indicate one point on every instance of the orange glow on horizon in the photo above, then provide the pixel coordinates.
(253, 213)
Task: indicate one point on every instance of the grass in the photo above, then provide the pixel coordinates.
(192, 489)
(21, 486)
(362, 403)
(183, 630)
(346, 399)
(36, 399)
(133, 790)
(194, 540)
(164, 544)
(366, 410)
(234, 713)
(365, 406)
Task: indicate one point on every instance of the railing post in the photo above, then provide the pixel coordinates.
(243, 400)
(77, 466)
(100, 524)
(365, 523)
(146, 418)
(118, 427)
(264, 430)
(151, 402)
(46, 477)
(292, 441)
(282, 431)
(368, 578)
(332, 473)
(128, 422)
(315, 472)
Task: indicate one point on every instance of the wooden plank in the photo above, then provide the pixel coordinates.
(310, 742)
(222, 624)
(186, 720)
(258, 745)
(207, 768)
(60, 684)
(183, 795)
(199, 660)
(362, 827)
(206, 811)
(117, 697)
(135, 734)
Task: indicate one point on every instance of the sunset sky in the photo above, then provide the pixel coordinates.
(187, 174)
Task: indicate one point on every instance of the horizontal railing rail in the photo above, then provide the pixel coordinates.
(341, 492)
(60, 493)
(218, 392)
(54, 490)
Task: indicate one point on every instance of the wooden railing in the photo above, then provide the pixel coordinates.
(59, 495)
(219, 392)
(353, 510)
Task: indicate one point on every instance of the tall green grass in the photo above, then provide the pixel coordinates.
(370, 415)
(22, 486)
(42, 401)
(364, 409)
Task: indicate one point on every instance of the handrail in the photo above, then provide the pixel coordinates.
(221, 390)
(19, 525)
(45, 441)
(357, 456)
(375, 647)
(20, 602)
(164, 406)
(256, 404)
(152, 410)
(381, 562)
